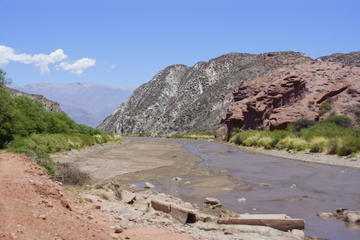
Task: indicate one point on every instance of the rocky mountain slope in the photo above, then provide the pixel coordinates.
(181, 98)
(48, 104)
(311, 91)
(86, 103)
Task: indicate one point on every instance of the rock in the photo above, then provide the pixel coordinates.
(285, 95)
(352, 216)
(242, 200)
(293, 186)
(161, 107)
(187, 182)
(183, 215)
(148, 185)
(326, 215)
(270, 220)
(160, 206)
(97, 207)
(127, 197)
(177, 179)
(298, 233)
(212, 201)
(118, 230)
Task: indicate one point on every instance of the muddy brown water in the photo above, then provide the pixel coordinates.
(272, 185)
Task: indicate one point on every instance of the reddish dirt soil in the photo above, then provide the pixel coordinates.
(32, 206)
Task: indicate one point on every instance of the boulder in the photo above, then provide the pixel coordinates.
(127, 197)
(160, 206)
(352, 216)
(148, 185)
(212, 201)
(326, 215)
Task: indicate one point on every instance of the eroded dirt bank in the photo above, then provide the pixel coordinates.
(34, 207)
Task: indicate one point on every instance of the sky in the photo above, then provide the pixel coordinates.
(125, 43)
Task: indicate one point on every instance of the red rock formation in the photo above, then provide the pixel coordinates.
(288, 94)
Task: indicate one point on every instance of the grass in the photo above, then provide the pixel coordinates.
(193, 135)
(42, 145)
(334, 135)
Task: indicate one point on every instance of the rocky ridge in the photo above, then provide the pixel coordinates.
(181, 98)
(270, 86)
(288, 94)
(298, 92)
(48, 104)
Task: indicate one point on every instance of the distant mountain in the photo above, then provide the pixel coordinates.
(86, 103)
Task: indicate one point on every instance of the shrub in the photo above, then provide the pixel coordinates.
(69, 174)
(325, 129)
(49, 167)
(332, 146)
(292, 143)
(318, 144)
(193, 135)
(348, 145)
(266, 142)
(300, 124)
(252, 140)
(340, 120)
(41, 145)
(324, 108)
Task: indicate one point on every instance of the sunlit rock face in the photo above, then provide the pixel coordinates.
(290, 93)
(181, 98)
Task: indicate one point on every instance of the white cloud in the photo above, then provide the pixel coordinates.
(112, 66)
(42, 61)
(78, 66)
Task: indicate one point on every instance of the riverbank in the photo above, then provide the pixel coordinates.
(321, 158)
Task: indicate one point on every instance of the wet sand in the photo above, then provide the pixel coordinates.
(138, 160)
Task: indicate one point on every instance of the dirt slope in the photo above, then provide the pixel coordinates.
(34, 207)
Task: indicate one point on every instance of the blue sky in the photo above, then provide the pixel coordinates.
(139, 38)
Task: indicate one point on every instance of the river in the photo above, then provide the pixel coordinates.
(276, 185)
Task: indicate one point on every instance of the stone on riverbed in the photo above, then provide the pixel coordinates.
(148, 185)
(212, 201)
(128, 197)
(352, 216)
(326, 215)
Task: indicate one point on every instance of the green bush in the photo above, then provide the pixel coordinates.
(266, 142)
(41, 145)
(325, 129)
(292, 143)
(340, 120)
(300, 124)
(193, 135)
(348, 145)
(324, 108)
(318, 144)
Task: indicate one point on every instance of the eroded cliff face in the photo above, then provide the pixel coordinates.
(181, 98)
(288, 94)
(48, 104)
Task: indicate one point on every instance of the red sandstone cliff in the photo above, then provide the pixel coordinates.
(287, 94)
